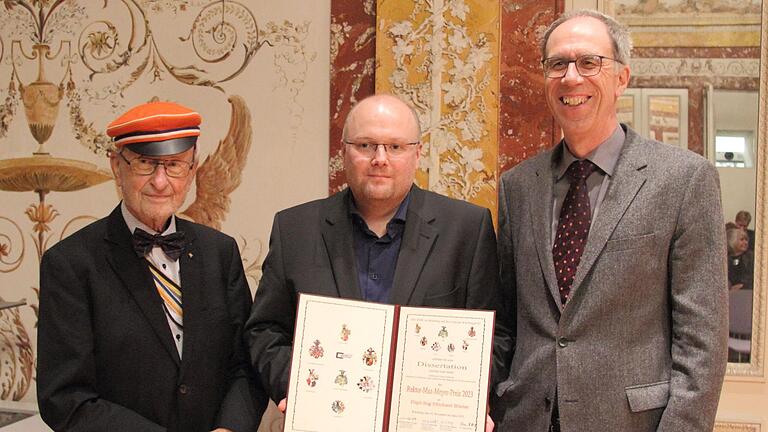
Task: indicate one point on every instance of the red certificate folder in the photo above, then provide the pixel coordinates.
(360, 366)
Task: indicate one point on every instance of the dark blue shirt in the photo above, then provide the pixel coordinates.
(376, 256)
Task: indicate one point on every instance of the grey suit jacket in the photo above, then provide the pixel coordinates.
(641, 344)
(447, 259)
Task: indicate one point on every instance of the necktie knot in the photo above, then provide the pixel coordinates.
(580, 169)
(172, 244)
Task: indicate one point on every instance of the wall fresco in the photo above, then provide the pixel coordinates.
(257, 73)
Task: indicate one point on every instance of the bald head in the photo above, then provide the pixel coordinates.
(381, 107)
(381, 153)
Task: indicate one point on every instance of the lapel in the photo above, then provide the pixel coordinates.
(541, 219)
(627, 180)
(418, 237)
(191, 272)
(134, 273)
(337, 236)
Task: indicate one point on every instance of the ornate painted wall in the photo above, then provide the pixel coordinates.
(256, 71)
(259, 75)
(273, 111)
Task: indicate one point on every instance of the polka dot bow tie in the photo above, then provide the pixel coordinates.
(572, 227)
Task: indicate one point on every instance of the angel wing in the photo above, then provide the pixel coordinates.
(221, 172)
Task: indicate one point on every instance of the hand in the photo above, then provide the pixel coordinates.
(282, 405)
(488, 424)
(736, 287)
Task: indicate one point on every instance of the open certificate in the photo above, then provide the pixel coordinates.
(362, 366)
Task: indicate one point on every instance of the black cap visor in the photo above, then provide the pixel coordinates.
(163, 148)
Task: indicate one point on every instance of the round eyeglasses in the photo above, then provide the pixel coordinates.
(586, 65)
(370, 149)
(147, 166)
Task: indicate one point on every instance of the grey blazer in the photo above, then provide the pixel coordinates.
(447, 259)
(641, 345)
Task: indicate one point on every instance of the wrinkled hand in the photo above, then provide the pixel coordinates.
(282, 405)
(488, 424)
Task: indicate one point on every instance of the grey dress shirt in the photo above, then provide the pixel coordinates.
(605, 157)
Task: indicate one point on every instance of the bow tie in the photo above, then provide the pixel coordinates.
(172, 244)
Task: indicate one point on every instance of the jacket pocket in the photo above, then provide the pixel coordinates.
(629, 243)
(645, 397)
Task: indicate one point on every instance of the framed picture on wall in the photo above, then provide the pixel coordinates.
(656, 113)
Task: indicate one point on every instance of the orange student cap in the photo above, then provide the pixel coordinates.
(156, 129)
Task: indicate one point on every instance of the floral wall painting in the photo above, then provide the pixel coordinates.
(441, 56)
(256, 71)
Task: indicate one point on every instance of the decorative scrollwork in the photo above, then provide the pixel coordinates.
(214, 36)
(85, 132)
(62, 20)
(98, 41)
(291, 62)
(17, 347)
(9, 263)
(41, 214)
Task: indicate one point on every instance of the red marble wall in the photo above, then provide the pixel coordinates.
(353, 60)
(525, 125)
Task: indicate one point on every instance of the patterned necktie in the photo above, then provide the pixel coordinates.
(172, 244)
(170, 292)
(572, 227)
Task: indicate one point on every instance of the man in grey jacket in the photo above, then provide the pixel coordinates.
(612, 255)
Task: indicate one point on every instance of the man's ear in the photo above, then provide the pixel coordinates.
(623, 80)
(114, 163)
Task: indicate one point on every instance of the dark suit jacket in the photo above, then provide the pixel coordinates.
(447, 258)
(106, 358)
(641, 344)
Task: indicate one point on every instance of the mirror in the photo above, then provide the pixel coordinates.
(697, 83)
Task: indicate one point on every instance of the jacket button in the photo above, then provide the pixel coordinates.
(183, 389)
(562, 342)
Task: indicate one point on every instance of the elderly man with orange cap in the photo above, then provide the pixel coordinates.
(141, 313)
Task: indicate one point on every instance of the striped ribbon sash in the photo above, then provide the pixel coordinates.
(170, 292)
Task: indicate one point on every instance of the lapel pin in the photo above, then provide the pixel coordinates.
(190, 255)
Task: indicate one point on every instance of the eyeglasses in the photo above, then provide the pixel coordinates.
(586, 65)
(370, 149)
(146, 166)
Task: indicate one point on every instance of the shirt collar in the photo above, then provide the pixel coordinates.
(604, 156)
(134, 223)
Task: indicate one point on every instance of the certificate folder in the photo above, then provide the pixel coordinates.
(360, 366)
